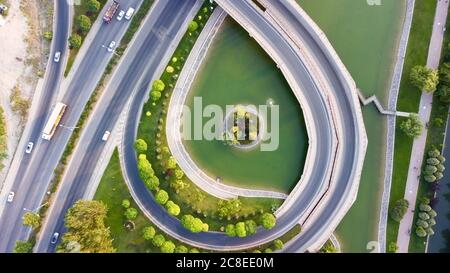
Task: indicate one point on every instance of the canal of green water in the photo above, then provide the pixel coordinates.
(366, 38)
(237, 71)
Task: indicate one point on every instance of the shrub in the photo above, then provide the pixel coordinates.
(83, 23)
(250, 227)
(140, 146)
(158, 85)
(194, 225)
(420, 231)
(148, 233)
(155, 96)
(181, 249)
(240, 230)
(126, 203)
(399, 210)
(158, 240)
(75, 41)
(168, 247)
(278, 244)
(172, 208)
(412, 126)
(268, 220)
(152, 183)
(193, 26)
(131, 213)
(230, 230)
(161, 197)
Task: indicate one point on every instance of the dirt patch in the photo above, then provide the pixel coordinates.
(24, 54)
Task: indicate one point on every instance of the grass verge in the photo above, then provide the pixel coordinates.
(408, 101)
(3, 139)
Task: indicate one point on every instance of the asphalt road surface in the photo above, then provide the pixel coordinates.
(36, 170)
(168, 18)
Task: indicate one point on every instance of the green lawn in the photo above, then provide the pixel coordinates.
(112, 190)
(80, 10)
(192, 200)
(408, 100)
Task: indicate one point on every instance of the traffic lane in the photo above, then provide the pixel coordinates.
(219, 240)
(50, 86)
(153, 49)
(37, 181)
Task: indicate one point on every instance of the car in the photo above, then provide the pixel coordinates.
(130, 13)
(120, 15)
(57, 56)
(54, 238)
(111, 46)
(106, 136)
(11, 197)
(29, 147)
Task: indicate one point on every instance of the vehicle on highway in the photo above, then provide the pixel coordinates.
(107, 18)
(121, 15)
(54, 238)
(130, 13)
(11, 197)
(29, 147)
(106, 136)
(111, 46)
(57, 56)
(53, 121)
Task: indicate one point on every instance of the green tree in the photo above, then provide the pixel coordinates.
(268, 250)
(250, 227)
(48, 35)
(172, 208)
(240, 230)
(194, 225)
(278, 244)
(145, 168)
(179, 185)
(161, 197)
(140, 146)
(392, 247)
(193, 250)
(424, 78)
(85, 223)
(181, 249)
(399, 210)
(168, 247)
(229, 207)
(412, 126)
(158, 85)
(148, 233)
(421, 232)
(193, 26)
(75, 41)
(22, 247)
(171, 163)
(268, 220)
(158, 240)
(126, 203)
(83, 23)
(230, 230)
(443, 93)
(31, 219)
(152, 183)
(179, 174)
(131, 213)
(155, 96)
(93, 6)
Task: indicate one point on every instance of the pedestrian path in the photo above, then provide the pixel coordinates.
(418, 150)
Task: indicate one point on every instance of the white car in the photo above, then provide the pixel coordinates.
(54, 238)
(129, 14)
(120, 15)
(11, 197)
(111, 46)
(29, 147)
(57, 56)
(106, 136)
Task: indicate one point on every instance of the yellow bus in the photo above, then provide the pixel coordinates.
(53, 121)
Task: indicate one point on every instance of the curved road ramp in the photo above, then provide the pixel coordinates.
(338, 142)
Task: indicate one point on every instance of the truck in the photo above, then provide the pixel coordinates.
(109, 15)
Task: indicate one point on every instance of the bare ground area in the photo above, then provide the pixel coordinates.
(23, 55)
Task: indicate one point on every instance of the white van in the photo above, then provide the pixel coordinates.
(129, 13)
(106, 136)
